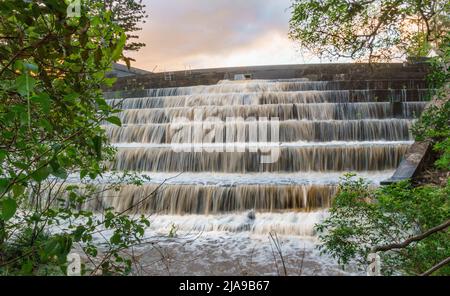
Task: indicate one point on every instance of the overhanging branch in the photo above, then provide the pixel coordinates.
(412, 239)
(436, 267)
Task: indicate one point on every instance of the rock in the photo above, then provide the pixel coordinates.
(251, 215)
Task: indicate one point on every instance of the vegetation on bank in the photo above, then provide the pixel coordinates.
(52, 68)
(407, 224)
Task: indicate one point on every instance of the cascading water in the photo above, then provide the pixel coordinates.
(321, 129)
(321, 132)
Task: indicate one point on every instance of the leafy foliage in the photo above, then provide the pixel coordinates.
(52, 68)
(362, 218)
(374, 30)
(434, 124)
(128, 14)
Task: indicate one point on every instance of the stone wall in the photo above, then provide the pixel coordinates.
(336, 71)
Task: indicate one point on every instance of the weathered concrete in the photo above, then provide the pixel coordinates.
(416, 157)
(347, 71)
(411, 163)
(119, 70)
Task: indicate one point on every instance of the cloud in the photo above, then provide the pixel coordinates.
(206, 33)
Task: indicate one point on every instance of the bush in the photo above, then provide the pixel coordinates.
(52, 70)
(362, 218)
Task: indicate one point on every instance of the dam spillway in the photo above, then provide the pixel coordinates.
(233, 164)
(214, 140)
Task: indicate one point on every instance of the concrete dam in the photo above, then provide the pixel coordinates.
(240, 153)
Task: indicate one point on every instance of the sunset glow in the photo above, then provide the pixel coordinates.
(206, 34)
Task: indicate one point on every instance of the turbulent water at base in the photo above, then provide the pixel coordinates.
(219, 184)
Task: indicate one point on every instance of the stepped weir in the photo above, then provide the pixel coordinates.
(274, 148)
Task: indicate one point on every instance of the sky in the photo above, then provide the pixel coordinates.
(195, 34)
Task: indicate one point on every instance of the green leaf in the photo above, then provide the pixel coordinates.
(51, 247)
(59, 173)
(25, 84)
(54, 164)
(9, 207)
(97, 140)
(114, 120)
(45, 124)
(20, 165)
(27, 267)
(18, 189)
(2, 154)
(83, 173)
(43, 100)
(71, 97)
(7, 134)
(40, 174)
(98, 55)
(3, 184)
(115, 239)
(78, 233)
(110, 81)
(117, 52)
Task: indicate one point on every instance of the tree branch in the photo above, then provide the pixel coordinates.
(436, 267)
(412, 239)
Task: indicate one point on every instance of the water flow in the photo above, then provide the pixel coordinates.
(323, 128)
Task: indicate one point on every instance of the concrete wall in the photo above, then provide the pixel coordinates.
(312, 71)
(119, 70)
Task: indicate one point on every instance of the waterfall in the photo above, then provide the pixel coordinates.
(220, 136)
(210, 199)
(290, 131)
(312, 111)
(331, 157)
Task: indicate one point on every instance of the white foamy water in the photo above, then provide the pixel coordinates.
(231, 254)
(299, 224)
(231, 245)
(224, 179)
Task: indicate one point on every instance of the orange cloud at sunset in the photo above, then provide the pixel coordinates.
(204, 34)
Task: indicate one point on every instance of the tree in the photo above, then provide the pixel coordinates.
(434, 124)
(369, 29)
(128, 14)
(52, 69)
(408, 226)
